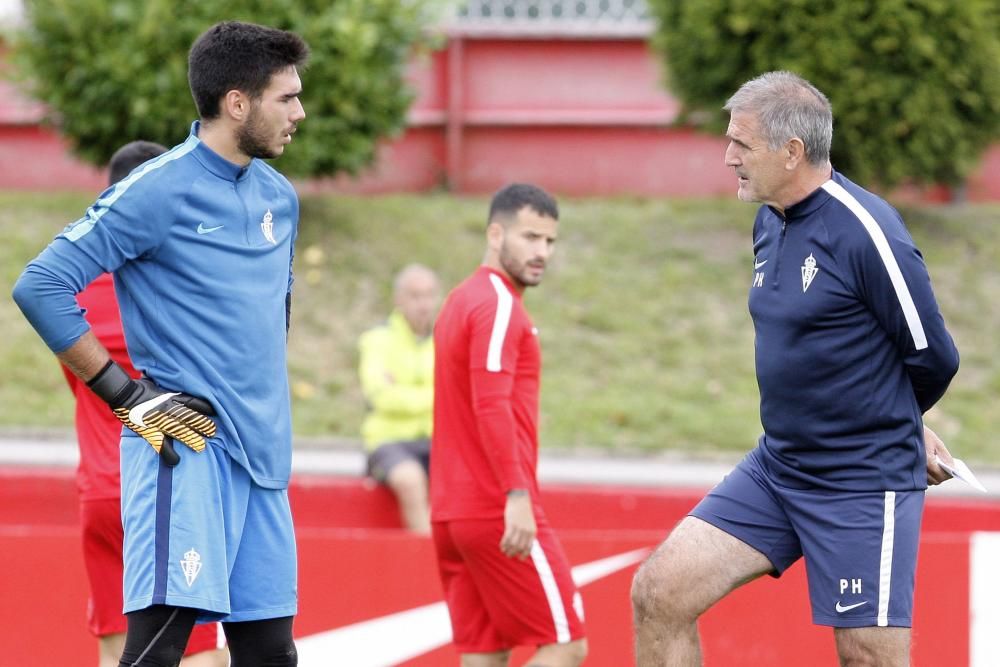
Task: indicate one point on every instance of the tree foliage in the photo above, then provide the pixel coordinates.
(915, 84)
(112, 71)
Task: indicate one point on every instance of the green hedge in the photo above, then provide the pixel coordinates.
(112, 71)
(915, 84)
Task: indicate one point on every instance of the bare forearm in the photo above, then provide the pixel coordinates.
(86, 357)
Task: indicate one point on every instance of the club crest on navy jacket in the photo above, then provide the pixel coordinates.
(851, 348)
(201, 252)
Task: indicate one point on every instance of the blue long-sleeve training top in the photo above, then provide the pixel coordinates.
(851, 348)
(201, 250)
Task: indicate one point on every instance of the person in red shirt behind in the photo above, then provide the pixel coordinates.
(98, 433)
(505, 576)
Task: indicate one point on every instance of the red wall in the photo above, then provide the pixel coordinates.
(355, 565)
(577, 114)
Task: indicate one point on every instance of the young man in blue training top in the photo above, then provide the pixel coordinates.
(200, 241)
(98, 433)
(851, 350)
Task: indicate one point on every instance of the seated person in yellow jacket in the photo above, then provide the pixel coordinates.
(397, 378)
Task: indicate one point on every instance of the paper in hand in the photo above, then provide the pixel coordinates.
(961, 471)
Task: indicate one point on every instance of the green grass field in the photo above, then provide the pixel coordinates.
(647, 342)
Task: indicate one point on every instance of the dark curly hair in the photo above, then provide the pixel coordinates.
(233, 55)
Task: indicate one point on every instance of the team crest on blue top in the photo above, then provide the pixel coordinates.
(267, 227)
(191, 566)
(809, 271)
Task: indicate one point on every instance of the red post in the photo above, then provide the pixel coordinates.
(454, 116)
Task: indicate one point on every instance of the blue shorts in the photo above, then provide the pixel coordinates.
(860, 548)
(203, 535)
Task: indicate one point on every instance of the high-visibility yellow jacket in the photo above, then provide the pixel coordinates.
(397, 378)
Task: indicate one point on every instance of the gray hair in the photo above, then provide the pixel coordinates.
(787, 106)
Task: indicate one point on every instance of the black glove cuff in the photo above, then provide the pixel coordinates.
(112, 384)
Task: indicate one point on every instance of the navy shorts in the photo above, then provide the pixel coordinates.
(386, 457)
(860, 548)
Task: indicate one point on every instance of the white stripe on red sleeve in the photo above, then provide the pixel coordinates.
(501, 321)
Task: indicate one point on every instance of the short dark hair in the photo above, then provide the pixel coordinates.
(130, 156)
(233, 55)
(512, 198)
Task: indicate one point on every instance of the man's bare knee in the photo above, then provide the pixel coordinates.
(857, 656)
(657, 584)
(578, 651)
(407, 479)
(570, 654)
(574, 652)
(697, 565)
(496, 659)
(873, 647)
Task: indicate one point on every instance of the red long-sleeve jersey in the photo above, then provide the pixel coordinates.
(487, 368)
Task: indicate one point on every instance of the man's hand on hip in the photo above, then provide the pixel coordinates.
(519, 525)
(154, 413)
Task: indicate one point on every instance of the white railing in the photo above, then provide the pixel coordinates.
(626, 17)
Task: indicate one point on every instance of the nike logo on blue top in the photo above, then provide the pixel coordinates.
(202, 229)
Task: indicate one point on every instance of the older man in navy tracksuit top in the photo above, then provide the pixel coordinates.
(851, 350)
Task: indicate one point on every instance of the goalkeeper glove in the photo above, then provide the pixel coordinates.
(154, 413)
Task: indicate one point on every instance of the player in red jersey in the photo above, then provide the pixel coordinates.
(98, 433)
(506, 579)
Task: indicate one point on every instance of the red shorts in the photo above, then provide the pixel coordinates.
(496, 602)
(101, 521)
